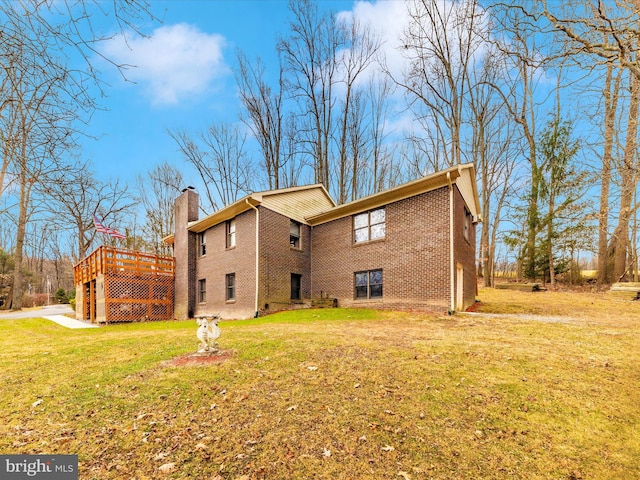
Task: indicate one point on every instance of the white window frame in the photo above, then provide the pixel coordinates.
(230, 230)
(202, 243)
(368, 227)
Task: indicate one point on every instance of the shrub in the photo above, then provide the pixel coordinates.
(61, 296)
(35, 300)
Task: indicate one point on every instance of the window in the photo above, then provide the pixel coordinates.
(230, 286)
(467, 223)
(294, 234)
(369, 225)
(202, 291)
(368, 284)
(296, 282)
(231, 233)
(202, 240)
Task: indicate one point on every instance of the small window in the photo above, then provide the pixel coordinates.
(296, 283)
(202, 291)
(231, 233)
(369, 225)
(467, 224)
(202, 240)
(230, 286)
(294, 234)
(368, 284)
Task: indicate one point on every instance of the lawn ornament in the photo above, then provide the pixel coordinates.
(208, 332)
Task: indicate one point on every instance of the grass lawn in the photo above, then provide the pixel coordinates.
(338, 394)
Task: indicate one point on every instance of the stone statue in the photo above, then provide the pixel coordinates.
(208, 332)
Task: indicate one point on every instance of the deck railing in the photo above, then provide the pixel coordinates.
(117, 260)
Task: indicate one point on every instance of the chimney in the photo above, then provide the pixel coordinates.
(184, 251)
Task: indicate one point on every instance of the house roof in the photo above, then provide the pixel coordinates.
(313, 205)
(462, 175)
(296, 203)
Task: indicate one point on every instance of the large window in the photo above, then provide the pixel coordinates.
(296, 283)
(231, 233)
(294, 234)
(369, 225)
(230, 286)
(202, 291)
(202, 241)
(368, 284)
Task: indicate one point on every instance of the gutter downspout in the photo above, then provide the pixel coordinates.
(255, 315)
(452, 270)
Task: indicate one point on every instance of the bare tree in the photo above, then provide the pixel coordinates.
(611, 97)
(221, 161)
(264, 115)
(619, 244)
(36, 123)
(44, 99)
(525, 65)
(609, 32)
(379, 91)
(76, 196)
(440, 43)
(157, 193)
(493, 152)
(310, 55)
(361, 49)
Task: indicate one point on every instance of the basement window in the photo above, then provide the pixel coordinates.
(230, 286)
(368, 284)
(202, 291)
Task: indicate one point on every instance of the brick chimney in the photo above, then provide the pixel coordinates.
(184, 251)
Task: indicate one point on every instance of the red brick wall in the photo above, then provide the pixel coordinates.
(464, 250)
(219, 261)
(278, 260)
(414, 256)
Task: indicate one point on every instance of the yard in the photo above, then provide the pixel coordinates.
(338, 394)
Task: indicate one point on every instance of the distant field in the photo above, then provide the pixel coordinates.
(338, 394)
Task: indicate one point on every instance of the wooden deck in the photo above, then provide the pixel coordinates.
(110, 259)
(117, 285)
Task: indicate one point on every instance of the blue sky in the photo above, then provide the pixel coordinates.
(183, 79)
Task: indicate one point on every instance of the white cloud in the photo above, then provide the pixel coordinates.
(388, 19)
(173, 63)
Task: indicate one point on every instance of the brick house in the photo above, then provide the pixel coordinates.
(410, 247)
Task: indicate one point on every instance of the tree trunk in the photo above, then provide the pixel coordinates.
(552, 273)
(628, 177)
(20, 234)
(611, 103)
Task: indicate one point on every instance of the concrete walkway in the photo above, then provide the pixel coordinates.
(69, 322)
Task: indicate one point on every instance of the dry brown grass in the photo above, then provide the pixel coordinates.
(595, 308)
(338, 394)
